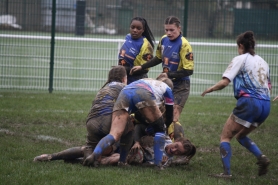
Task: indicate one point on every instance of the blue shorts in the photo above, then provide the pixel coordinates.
(132, 99)
(251, 111)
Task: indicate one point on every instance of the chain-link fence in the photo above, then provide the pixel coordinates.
(77, 52)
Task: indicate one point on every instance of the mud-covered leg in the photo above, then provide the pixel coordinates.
(68, 154)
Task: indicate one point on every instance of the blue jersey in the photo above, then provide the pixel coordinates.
(135, 52)
(175, 54)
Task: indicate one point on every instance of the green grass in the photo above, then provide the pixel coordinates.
(33, 123)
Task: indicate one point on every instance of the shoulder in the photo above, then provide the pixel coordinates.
(146, 43)
(116, 84)
(163, 38)
(240, 58)
(185, 42)
(128, 36)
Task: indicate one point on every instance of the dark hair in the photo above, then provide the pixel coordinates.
(116, 74)
(173, 20)
(188, 146)
(168, 81)
(147, 31)
(248, 41)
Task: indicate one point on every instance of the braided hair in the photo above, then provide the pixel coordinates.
(173, 20)
(147, 31)
(248, 41)
(116, 74)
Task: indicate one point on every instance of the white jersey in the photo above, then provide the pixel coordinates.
(160, 90)
(250, 76)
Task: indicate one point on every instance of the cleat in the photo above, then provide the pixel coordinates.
(122, 164)
(221, 175)
(43, 157)
(159, 167)
(263, 163)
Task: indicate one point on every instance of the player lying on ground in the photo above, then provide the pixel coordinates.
(182, 148)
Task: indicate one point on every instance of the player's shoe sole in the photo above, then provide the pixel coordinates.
(221, 175)
(43, 157)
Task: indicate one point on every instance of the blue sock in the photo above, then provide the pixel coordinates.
(159, 142)
(103, 144)
(126, 144)
(226, 154)
(250, 145)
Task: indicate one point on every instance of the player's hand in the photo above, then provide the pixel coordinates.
(134, 149)
(90, 161)
(135, 68)
(275, 98)
(171, 136)
(208, 90)
(162, 75)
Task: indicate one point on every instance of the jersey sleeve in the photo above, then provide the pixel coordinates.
(168, 96)
(233, 69)
(159, 48)
(146, 53)
(186, 56)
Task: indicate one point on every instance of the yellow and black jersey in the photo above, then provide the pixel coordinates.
(175, 54)
(135, 52)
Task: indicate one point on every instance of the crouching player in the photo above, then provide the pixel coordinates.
(145, 96)
(99, 120)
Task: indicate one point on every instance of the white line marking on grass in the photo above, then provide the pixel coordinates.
(40, 137)
(62, 111)
(5, 131)
(49, 138)
(38, 111)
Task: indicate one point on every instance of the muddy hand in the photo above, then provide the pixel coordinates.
(163, 75)
(89, 161)
(135, 147)
(135, 68)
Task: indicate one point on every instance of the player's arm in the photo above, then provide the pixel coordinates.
(179, 74)
(169, 106)
(145, 55)
(153, 62)
(169, 115)
(218, 86)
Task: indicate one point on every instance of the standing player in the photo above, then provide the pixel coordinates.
(137, 48)
(145, 96)
(251, 80)
(176, 55)
(99, 120)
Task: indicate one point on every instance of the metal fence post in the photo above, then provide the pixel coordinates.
(80, 17)
(51, 69)
(185, 17)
